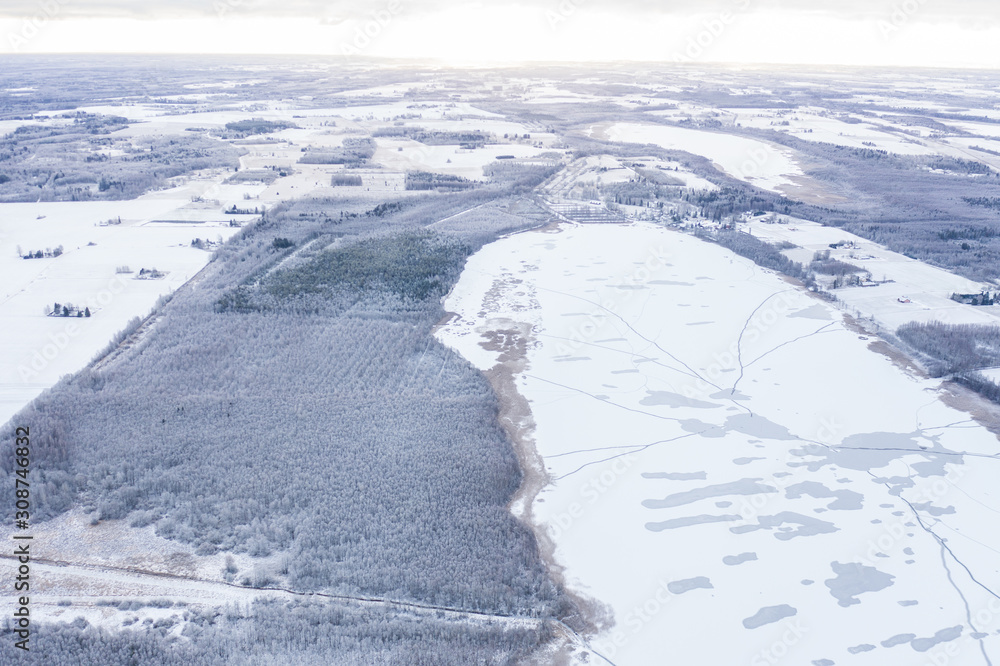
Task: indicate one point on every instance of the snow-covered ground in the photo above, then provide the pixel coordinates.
(733, 472)
(409, 155)
(927, 288)
(817, 125)
(38, 350)
(762, 164)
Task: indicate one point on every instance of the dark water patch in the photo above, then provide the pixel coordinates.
(854, 579)
(899, 639)
(676, 476)
(757, 426)
(704, 429)
(691, 521)
(682, 586)
(736, 560)
(818, 312)
(769, 615)
(671, 283)
(943, 636)
(674, 401)
(741, 487)
(808, 526)
(844, 500)
(929, 508)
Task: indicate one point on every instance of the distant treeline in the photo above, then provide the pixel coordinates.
(346, 180)
(244, 128)
(355, 152)
(66, 162)
(423, 180)
(470, 139)
(981, 384)
(895, 200)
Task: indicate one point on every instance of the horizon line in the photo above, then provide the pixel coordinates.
(505, 64)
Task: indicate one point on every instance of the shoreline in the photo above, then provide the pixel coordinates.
(516, 419)
(511, 340)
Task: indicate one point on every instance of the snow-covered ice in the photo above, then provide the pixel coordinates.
(733, 472)
(765, 165)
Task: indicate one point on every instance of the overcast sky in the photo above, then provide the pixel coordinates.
(942, 33)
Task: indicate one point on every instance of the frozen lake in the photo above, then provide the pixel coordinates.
(732, 473)
(765, 165)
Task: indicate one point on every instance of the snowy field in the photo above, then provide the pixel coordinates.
(927, 288)
(128, 572)
(733, 473)
(817, 125)
(409, 155)
(40, 349)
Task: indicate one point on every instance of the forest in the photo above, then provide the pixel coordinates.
(906, 203)
(953, 348)
(271, 633)
(296, 402)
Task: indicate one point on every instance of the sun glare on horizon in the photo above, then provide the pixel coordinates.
(482, 35)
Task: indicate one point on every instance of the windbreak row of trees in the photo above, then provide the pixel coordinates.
(424, 180)
(468, 138)
(282, 634)
(355, 152)
(757, 251)
(253, 126)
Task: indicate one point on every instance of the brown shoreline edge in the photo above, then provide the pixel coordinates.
(588, 617)
(512, 339)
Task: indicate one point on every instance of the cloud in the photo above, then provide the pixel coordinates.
(340, 10)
